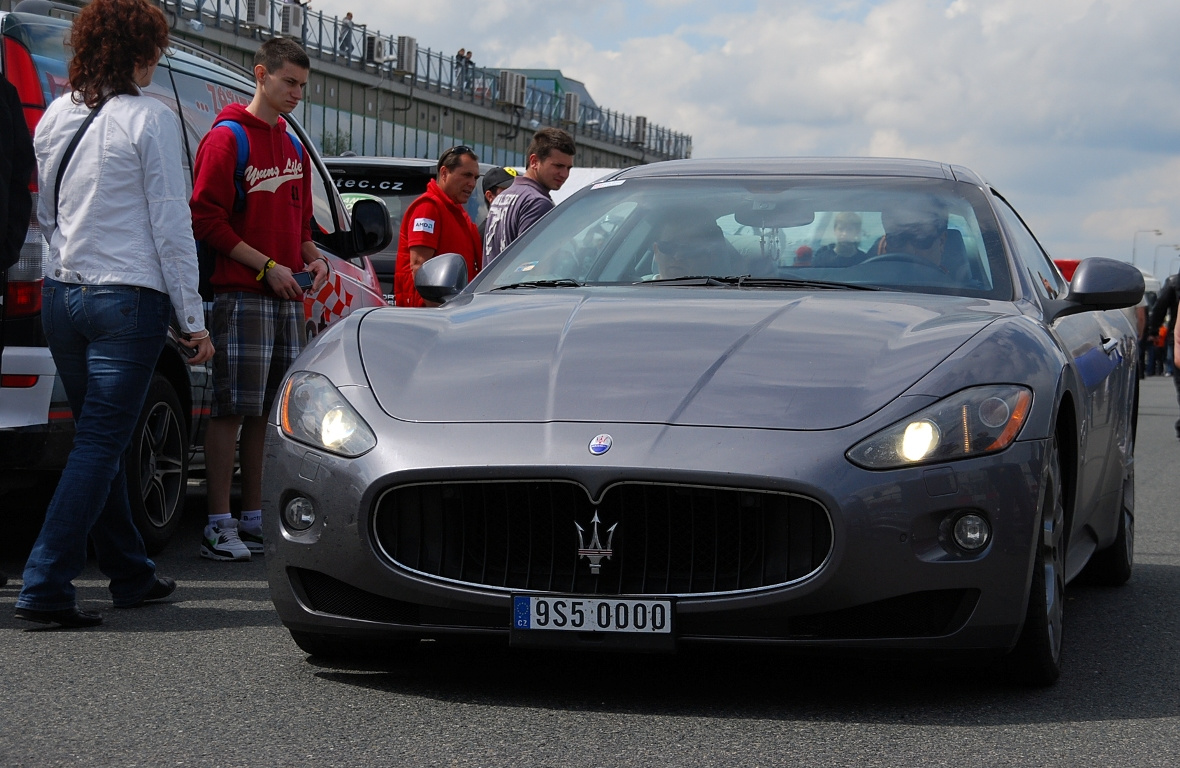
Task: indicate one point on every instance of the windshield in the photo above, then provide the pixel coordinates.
(923, 235)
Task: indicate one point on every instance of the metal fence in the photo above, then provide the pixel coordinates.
(356, 46)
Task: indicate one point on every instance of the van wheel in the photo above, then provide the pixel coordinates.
(157, 466)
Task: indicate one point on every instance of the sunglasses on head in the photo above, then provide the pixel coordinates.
(458, 150)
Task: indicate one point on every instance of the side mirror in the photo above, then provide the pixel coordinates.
(370, 227)
(1099, 284)
(441, 277)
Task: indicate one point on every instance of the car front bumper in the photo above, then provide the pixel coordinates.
(891, 577)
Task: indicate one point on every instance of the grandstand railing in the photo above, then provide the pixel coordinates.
(328, 38)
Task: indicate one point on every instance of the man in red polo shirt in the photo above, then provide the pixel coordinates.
(437, 223)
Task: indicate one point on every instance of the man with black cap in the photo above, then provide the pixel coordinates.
(495, 181)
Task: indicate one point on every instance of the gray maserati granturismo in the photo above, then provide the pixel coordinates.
(824, 403)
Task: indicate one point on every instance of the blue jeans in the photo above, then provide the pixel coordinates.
(105, 340)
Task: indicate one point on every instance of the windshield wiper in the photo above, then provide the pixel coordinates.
(743, 281)
(690, 279)
(794, 282)
(563, 282)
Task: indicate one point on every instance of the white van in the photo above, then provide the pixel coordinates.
(36, 425)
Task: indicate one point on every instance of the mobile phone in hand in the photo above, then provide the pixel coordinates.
(177, 334)
(304, 279)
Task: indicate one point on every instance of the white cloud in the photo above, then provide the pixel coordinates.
(1069, 106)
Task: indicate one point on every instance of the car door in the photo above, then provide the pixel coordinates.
(1100, 344)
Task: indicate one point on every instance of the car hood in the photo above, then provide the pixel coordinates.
(709, 357)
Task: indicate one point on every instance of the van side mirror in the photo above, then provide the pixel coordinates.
(441, 277)
(370, 227)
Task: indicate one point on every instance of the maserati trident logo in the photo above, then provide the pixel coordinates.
(600, 444)
(595, 553)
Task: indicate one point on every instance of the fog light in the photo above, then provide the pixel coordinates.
(972, 532)
(299, 514)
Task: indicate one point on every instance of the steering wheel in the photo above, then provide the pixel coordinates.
(903, 258)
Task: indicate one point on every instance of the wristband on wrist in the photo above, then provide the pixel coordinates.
(327, 263)
(199, 338)
(270, 263)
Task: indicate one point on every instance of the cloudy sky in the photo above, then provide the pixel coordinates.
(1071, 108)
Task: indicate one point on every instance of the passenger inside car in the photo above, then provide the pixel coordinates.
(845, 251)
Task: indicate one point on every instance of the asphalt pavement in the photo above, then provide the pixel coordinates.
(212, 679)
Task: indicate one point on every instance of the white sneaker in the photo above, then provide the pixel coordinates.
(221, 542)
(252, 538)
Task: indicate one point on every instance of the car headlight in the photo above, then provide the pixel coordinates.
(969, 423)
(313, 411)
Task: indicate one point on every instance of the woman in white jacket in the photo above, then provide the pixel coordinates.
(121, 263)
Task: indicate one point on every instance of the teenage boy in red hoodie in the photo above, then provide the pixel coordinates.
(257, 322)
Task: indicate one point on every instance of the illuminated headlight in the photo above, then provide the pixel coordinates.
(970, 423)
(313, 411)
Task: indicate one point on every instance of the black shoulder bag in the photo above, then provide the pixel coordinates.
(69, 153)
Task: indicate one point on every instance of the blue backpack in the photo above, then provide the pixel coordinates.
(206, 255)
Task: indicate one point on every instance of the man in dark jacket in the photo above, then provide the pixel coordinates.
(16, 167)
(1165, 304)
(16, 203)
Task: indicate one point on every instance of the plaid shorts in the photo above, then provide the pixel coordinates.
(257, 338)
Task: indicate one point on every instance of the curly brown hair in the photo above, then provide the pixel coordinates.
(110, 39)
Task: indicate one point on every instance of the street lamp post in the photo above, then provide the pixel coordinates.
(1135, 237)
(1155, 263)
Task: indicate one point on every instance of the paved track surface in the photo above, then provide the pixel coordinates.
(212, 679)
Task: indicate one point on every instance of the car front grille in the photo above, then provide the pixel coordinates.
(663, 539)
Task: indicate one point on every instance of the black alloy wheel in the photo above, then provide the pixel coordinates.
(157, 465)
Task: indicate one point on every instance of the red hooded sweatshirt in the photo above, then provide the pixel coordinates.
(277, 216)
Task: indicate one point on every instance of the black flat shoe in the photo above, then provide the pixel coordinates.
(74, 618)
(163, 587)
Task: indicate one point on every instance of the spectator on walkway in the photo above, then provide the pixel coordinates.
(123, 262)
(257, 315)
(1165, 306)
(437, 222)
(344, 43)
(550, 158)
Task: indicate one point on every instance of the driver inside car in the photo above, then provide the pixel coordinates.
(689, 247)
(919, 231)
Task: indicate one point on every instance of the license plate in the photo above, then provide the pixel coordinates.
(578, 614)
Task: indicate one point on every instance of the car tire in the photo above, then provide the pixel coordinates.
(1111, 567)
(345, 648)
(1036, 659)
(157, 466)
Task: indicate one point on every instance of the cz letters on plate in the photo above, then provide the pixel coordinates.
(578, 614)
